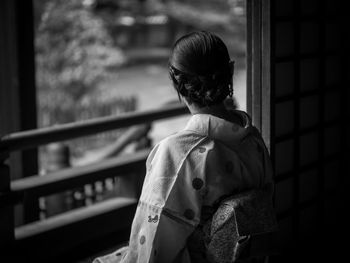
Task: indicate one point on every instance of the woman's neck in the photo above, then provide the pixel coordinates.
(218, 110)
(213, 110)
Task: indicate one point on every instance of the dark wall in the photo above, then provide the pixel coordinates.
(309, 126)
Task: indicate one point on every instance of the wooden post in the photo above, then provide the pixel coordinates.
(7, 234)
(17, 91)
(58, 158)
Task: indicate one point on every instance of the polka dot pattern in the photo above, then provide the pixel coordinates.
(235, 127)
(189, 214)
(197, 183)
(142, 239)
(202, 149)
(153, 219)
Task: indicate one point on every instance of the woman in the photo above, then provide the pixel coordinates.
(204, 193)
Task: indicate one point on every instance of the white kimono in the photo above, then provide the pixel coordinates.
(188, 173)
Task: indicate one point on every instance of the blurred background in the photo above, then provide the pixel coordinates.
(97, 58)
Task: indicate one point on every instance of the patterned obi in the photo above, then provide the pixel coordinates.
(227, 230)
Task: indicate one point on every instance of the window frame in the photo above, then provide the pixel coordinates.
(259, 66)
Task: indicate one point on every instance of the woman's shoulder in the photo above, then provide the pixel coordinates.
(177, 145)
(181, 140)
(171, 153)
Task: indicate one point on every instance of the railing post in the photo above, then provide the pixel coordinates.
(58, 158)
(7, 235)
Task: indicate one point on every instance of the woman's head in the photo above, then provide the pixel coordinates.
(200, 69)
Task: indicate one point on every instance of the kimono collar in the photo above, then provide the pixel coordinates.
(220, 129)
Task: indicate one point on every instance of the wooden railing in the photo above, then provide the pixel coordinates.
(70, 234)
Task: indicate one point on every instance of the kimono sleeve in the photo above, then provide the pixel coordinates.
(169, 206)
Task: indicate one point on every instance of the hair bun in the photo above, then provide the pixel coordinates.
(207, 91)
(203, 90)
(201, 69)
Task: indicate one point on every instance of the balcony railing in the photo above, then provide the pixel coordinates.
(82, 231)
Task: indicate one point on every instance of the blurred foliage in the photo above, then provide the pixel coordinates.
(227, 18)
(74, 53)
(214, 15)
(78, 46)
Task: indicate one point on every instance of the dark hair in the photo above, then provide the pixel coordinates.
(200, 68)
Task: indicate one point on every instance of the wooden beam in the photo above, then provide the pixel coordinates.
(6, 212)
(33, 138)
(72, 177)
(258, 66)
(47, 240)
(254, 61)
(17, 88)
(25, 163)
(130, 135)
(54, 223)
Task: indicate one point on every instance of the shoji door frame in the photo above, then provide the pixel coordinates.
(259, 66)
